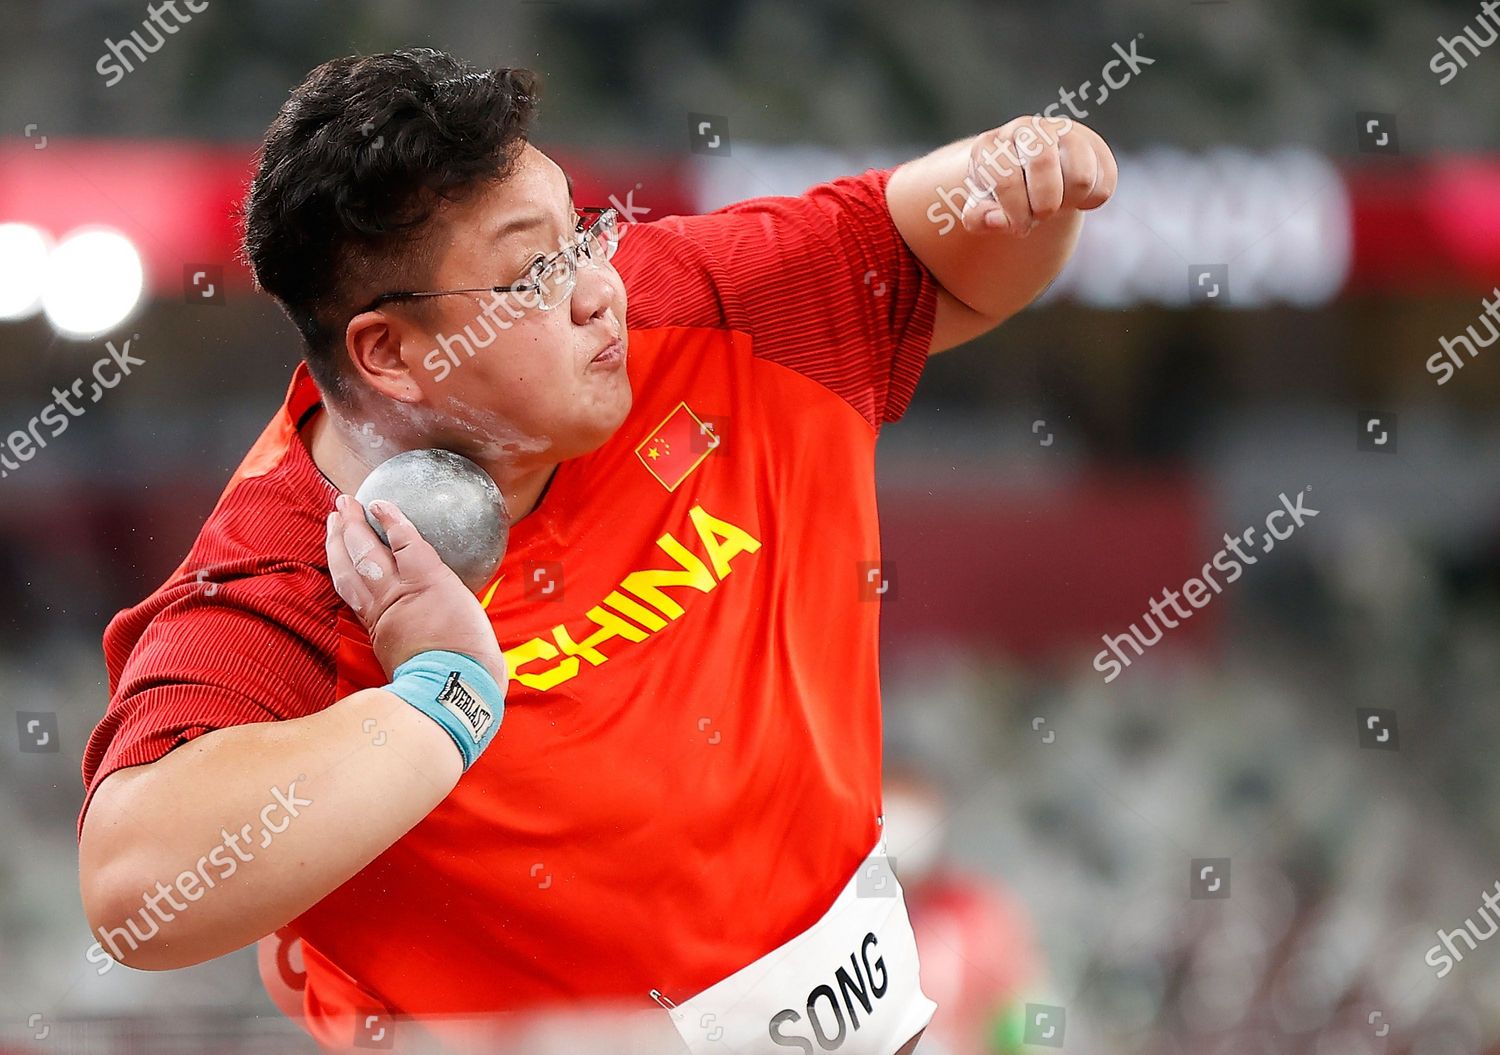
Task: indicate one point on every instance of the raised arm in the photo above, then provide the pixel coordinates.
(996, 216)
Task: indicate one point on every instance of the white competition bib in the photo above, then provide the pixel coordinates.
(849, 983)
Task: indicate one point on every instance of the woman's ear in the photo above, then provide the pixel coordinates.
(375, 342)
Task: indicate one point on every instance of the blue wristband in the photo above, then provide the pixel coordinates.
(456, 692)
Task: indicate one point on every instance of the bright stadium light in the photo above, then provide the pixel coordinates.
(1274, 228)
(23, 263)
(94, 279)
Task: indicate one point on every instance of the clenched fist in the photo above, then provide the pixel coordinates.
(1026, 170)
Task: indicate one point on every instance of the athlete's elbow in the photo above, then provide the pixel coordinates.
(120, 938)
(130, 926)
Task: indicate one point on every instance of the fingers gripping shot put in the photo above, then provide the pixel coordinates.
(457, 523)
(572, 705)
(453, 504)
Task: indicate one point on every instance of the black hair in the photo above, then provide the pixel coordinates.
(351, 169)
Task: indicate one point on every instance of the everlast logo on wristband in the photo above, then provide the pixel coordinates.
(465, 703)
(827, 1004)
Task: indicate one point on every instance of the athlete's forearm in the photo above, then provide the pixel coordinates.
(237, 833)
(994, 275)
(995, 217)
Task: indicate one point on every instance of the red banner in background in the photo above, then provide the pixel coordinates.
(1419, 225)
(175, 201)
(1429, 226)
(1033, 575)
(179, 202)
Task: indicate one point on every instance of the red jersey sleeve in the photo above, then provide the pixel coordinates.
(823, 283)
(199, 656)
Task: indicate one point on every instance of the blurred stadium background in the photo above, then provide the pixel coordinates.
(1050, 479)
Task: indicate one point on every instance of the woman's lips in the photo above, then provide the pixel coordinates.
(613, 353)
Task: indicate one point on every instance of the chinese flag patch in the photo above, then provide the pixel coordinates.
(677, 446)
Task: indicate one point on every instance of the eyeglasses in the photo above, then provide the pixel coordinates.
(548, 281)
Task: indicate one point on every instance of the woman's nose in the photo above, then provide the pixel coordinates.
(594, 290)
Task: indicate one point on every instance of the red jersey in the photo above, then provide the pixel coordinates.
(688, 769)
